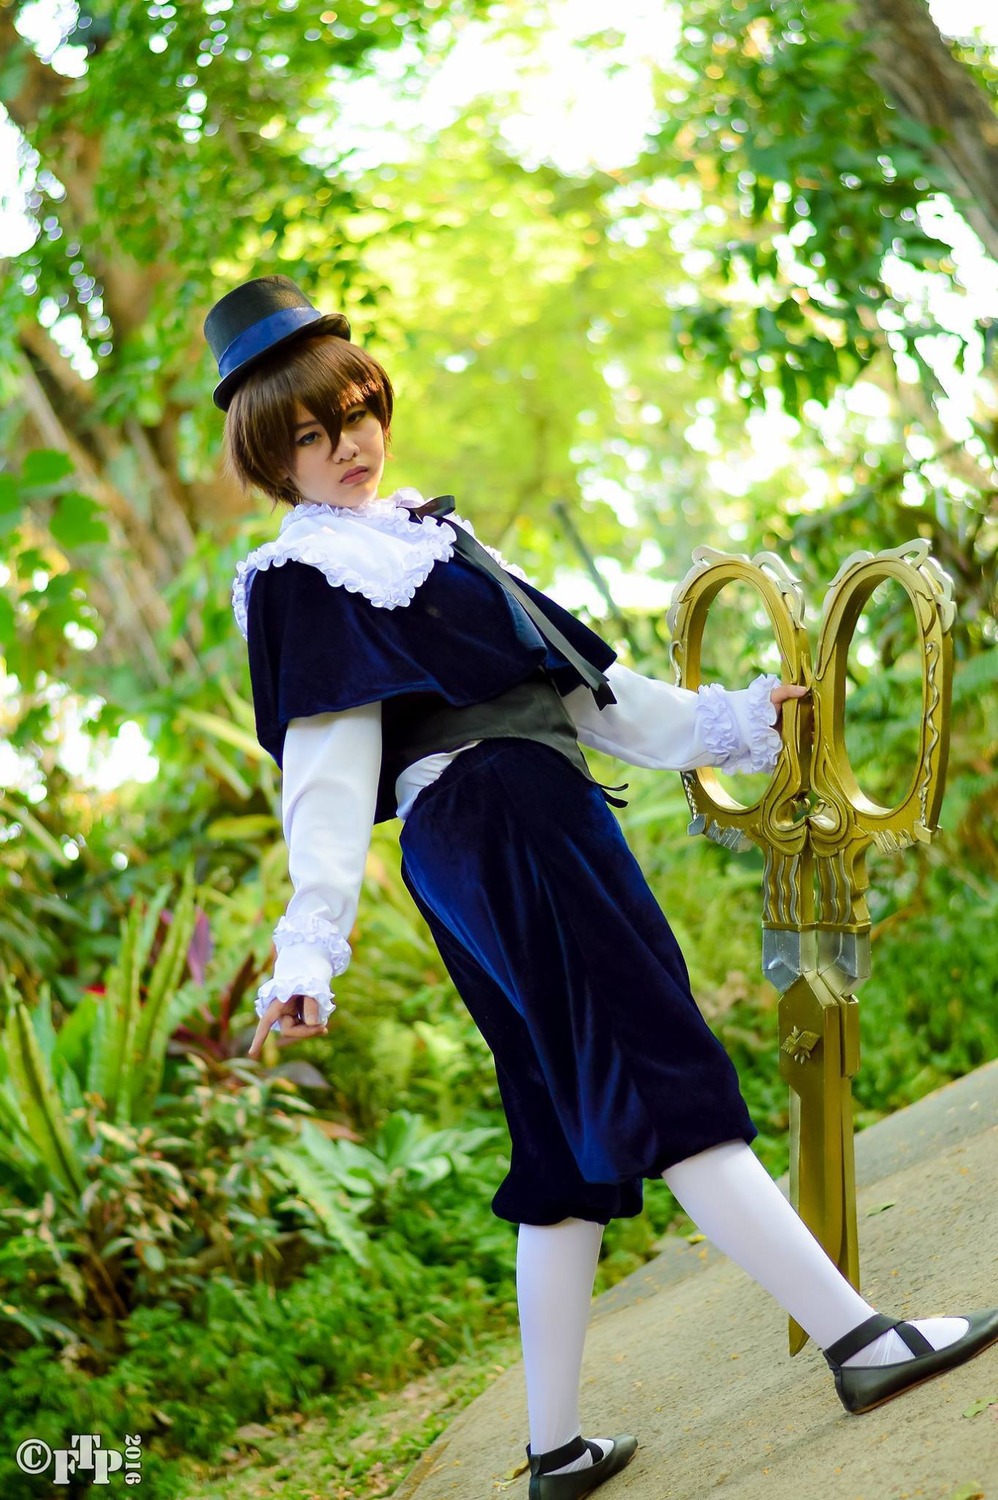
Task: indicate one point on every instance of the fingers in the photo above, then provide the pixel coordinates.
(270, 1015)
(293, 1030)
(781, 694)
(297, 1018)
(302, 1018)
(309, 1010)
(787, 690)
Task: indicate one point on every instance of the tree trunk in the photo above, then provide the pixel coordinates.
(919, 74)
(154, 517)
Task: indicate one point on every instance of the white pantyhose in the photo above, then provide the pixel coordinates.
(730, 1196)
(555, 1270)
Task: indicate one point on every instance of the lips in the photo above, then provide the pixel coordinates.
(352, 475)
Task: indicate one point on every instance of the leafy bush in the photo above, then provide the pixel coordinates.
(239, 1306)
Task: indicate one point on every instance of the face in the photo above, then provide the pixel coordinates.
(348, 474)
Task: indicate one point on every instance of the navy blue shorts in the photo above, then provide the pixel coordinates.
(608, 1072)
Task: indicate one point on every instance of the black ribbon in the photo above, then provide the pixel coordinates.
(475, 553)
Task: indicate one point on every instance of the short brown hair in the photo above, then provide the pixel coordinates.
(326, 375)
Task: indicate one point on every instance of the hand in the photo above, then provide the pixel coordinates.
(299, 1017)
(779, 696)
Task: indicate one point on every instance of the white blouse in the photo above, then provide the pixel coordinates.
(332, 764)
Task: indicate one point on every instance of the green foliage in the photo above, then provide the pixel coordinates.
(218, 1280)
(198, 154)
(112, 1051)
(44, 608)
(367, 1178)
(928, 1011)
(795, 137)
(33, 1106)
(242, 1354)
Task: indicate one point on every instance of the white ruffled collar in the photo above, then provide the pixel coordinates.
(375, 549)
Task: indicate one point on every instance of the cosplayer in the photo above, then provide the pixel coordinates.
(400, 668)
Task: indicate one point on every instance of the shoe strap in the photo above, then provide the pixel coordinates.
(556, 1458)
(857, 1338)
(917, 1342)
(865, 1333)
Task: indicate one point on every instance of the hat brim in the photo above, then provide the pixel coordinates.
(226, 388)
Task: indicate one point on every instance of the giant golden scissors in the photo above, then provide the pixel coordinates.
(815, 825)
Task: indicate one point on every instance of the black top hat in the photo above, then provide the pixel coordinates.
(254, 319)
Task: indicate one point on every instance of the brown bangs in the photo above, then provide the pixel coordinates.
(326, 375)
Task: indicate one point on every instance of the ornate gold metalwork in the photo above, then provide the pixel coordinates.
(815, 825)
(800, 1044)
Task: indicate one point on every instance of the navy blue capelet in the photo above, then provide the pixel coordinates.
(315, 647)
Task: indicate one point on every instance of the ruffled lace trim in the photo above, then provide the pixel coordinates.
(722, 732)
(388, 594)
(339, 542)
(375, 549)
(301, 984)
(720, 727)
(766, 742)
(313, 929)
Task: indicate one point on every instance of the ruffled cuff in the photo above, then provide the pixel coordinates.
(310, 952)
(301, 983)
(738, 727)
(316, 932)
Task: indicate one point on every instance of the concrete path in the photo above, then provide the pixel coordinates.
(691, 1356)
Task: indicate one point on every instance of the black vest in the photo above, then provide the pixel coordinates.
(419, 724)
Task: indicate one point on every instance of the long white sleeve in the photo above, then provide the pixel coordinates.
(332, 762)
(671, 728)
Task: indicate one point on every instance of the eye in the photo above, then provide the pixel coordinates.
(357, 414)
(307, 439)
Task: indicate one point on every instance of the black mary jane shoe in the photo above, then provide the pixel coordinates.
(578, 1482)
(862, 1389)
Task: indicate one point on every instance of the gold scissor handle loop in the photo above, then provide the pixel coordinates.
(769, 818)
(842, 802)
